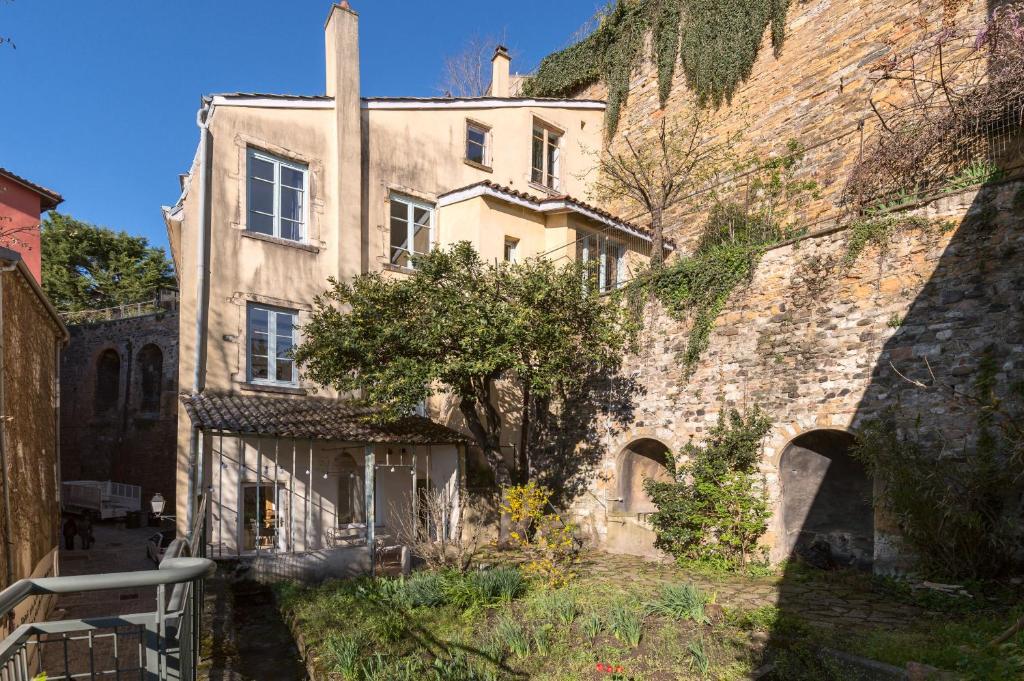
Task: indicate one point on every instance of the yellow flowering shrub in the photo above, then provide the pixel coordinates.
(546, 538)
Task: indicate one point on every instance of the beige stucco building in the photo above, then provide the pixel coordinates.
(287, 191)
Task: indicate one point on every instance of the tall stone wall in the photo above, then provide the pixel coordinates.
(819, 346)
(824, 347)
(119, 413)
(815, 91)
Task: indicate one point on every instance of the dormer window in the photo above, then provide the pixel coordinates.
(546, 156)
(277, 196)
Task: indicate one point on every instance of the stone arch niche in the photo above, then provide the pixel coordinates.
(827, 514)
(641, 459)
(628, 530)
(108, 381)
(151, 368)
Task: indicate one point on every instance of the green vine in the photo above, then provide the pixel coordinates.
(880, 231)
(716, 41)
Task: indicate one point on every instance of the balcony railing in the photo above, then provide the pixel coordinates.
(158, 645)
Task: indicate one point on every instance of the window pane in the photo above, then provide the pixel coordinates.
(537, 173)
(399, 257)
(421, 215)
(261, 196)
(258, 319)
(285, 369)
(291, 230)
(285, 324)
(259, 367)
(476, 135)
(258, 222)
(475, 152)
(552, 179)
(399, 210)
(261, 169)
(259, 346)
(611, 267)
(399, 235)
(291, 177)
(421, 239)
(291, 204)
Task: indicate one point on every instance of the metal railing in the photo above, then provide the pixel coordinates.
(166, 300)
(158, 645)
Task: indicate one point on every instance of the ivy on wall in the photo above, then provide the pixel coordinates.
(715, 41)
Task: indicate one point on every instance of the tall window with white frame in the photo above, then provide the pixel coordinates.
(412, 229)
(478, 144)
(277, 196)
(605, 260)
(271, 334)
(546, 155)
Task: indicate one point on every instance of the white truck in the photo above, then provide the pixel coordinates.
(102, 498)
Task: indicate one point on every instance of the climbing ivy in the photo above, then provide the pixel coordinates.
(716, 41)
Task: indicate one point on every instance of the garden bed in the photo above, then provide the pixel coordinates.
(654, 622)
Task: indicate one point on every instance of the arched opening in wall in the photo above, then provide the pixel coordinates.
(642, 459)
(826, 501)
(151, 369)
(108, 381)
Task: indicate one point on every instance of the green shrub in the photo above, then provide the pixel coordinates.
(499, 584)
(425, 589)
(512, 634)
(626, 622)
(718, 508)
(681, 602)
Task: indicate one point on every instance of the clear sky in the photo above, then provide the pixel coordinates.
(99, 96)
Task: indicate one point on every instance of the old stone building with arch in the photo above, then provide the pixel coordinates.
(119, 402)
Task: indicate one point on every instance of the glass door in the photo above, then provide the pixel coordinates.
(259, 518)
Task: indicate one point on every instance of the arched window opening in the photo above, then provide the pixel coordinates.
(151, 368)
(108, 380)
(642, 459)
(826, 500)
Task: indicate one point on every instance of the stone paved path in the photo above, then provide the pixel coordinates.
(829, 599)
(117, 549)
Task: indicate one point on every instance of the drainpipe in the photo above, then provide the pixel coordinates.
(56, 449)
(8, 524)
(194, 465)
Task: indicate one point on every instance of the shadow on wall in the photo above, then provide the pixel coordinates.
(973, 301)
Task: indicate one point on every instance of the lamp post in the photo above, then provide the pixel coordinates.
(157, 505)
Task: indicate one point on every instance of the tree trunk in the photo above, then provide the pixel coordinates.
(524, 437)
(488, 437)
(657, 238)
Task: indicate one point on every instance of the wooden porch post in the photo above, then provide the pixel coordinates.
(371, 506)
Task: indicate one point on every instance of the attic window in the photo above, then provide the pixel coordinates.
(478, 139)
(546, 156)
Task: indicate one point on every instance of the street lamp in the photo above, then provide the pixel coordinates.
(157, 504)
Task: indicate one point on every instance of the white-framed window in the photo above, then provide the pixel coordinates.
(412, 229)
(271, 335)
(277, 196)
(546, 156)
(511, 249)
(605, 260)
(478, 143)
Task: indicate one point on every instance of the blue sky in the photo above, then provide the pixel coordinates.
(100, 95)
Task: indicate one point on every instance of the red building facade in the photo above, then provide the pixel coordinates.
(21, 204)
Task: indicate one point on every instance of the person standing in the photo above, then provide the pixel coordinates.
(69, 531)
(85, 531)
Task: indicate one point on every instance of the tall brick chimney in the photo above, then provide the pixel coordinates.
(500, 72)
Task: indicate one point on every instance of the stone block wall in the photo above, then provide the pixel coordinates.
(815, 91)
(119, 403)
(820, 349)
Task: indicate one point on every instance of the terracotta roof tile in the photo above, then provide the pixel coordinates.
(309, 418)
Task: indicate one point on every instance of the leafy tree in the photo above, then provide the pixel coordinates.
(88, 267)
(717, 507)
(458, 325)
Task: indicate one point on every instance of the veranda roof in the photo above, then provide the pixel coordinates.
(309, 418)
